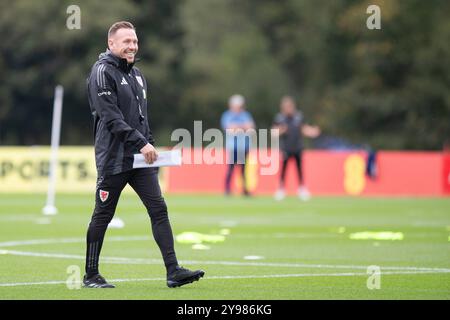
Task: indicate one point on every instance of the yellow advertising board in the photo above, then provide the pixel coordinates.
(25, 169)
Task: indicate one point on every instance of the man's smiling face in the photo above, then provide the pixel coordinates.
(124, 44)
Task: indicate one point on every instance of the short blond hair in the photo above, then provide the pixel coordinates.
(119, 25)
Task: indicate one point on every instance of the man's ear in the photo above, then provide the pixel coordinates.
(110, 43)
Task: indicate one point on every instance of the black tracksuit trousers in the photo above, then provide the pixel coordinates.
(145, 183)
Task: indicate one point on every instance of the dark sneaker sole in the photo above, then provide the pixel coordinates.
(196, 277)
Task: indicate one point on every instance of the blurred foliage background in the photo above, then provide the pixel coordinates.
(388, 88)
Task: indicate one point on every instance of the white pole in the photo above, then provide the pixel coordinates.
(50, 208)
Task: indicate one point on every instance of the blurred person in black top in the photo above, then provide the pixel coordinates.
(292, 128)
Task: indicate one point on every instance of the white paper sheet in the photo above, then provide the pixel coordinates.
(165, 159)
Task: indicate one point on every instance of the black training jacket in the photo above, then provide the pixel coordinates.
(117, 93)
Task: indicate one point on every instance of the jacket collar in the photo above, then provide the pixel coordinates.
(120, 63)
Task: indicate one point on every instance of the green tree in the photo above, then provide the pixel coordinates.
(226, 54)
(387, 88)
(41, 53)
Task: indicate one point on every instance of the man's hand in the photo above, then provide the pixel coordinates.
(239, 127)
(282, 129)
(150, 153)
(311, 131)
(248, 126)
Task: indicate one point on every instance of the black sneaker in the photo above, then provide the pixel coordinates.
(96, 281)
(182, 276)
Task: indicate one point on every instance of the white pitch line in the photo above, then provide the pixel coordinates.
(30, 283)
(67, 240)
(124, 260)
(297, 275)
(321, 266)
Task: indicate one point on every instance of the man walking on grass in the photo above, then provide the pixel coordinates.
(117, 93)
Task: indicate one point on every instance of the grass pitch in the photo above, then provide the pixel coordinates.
(304, 248)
